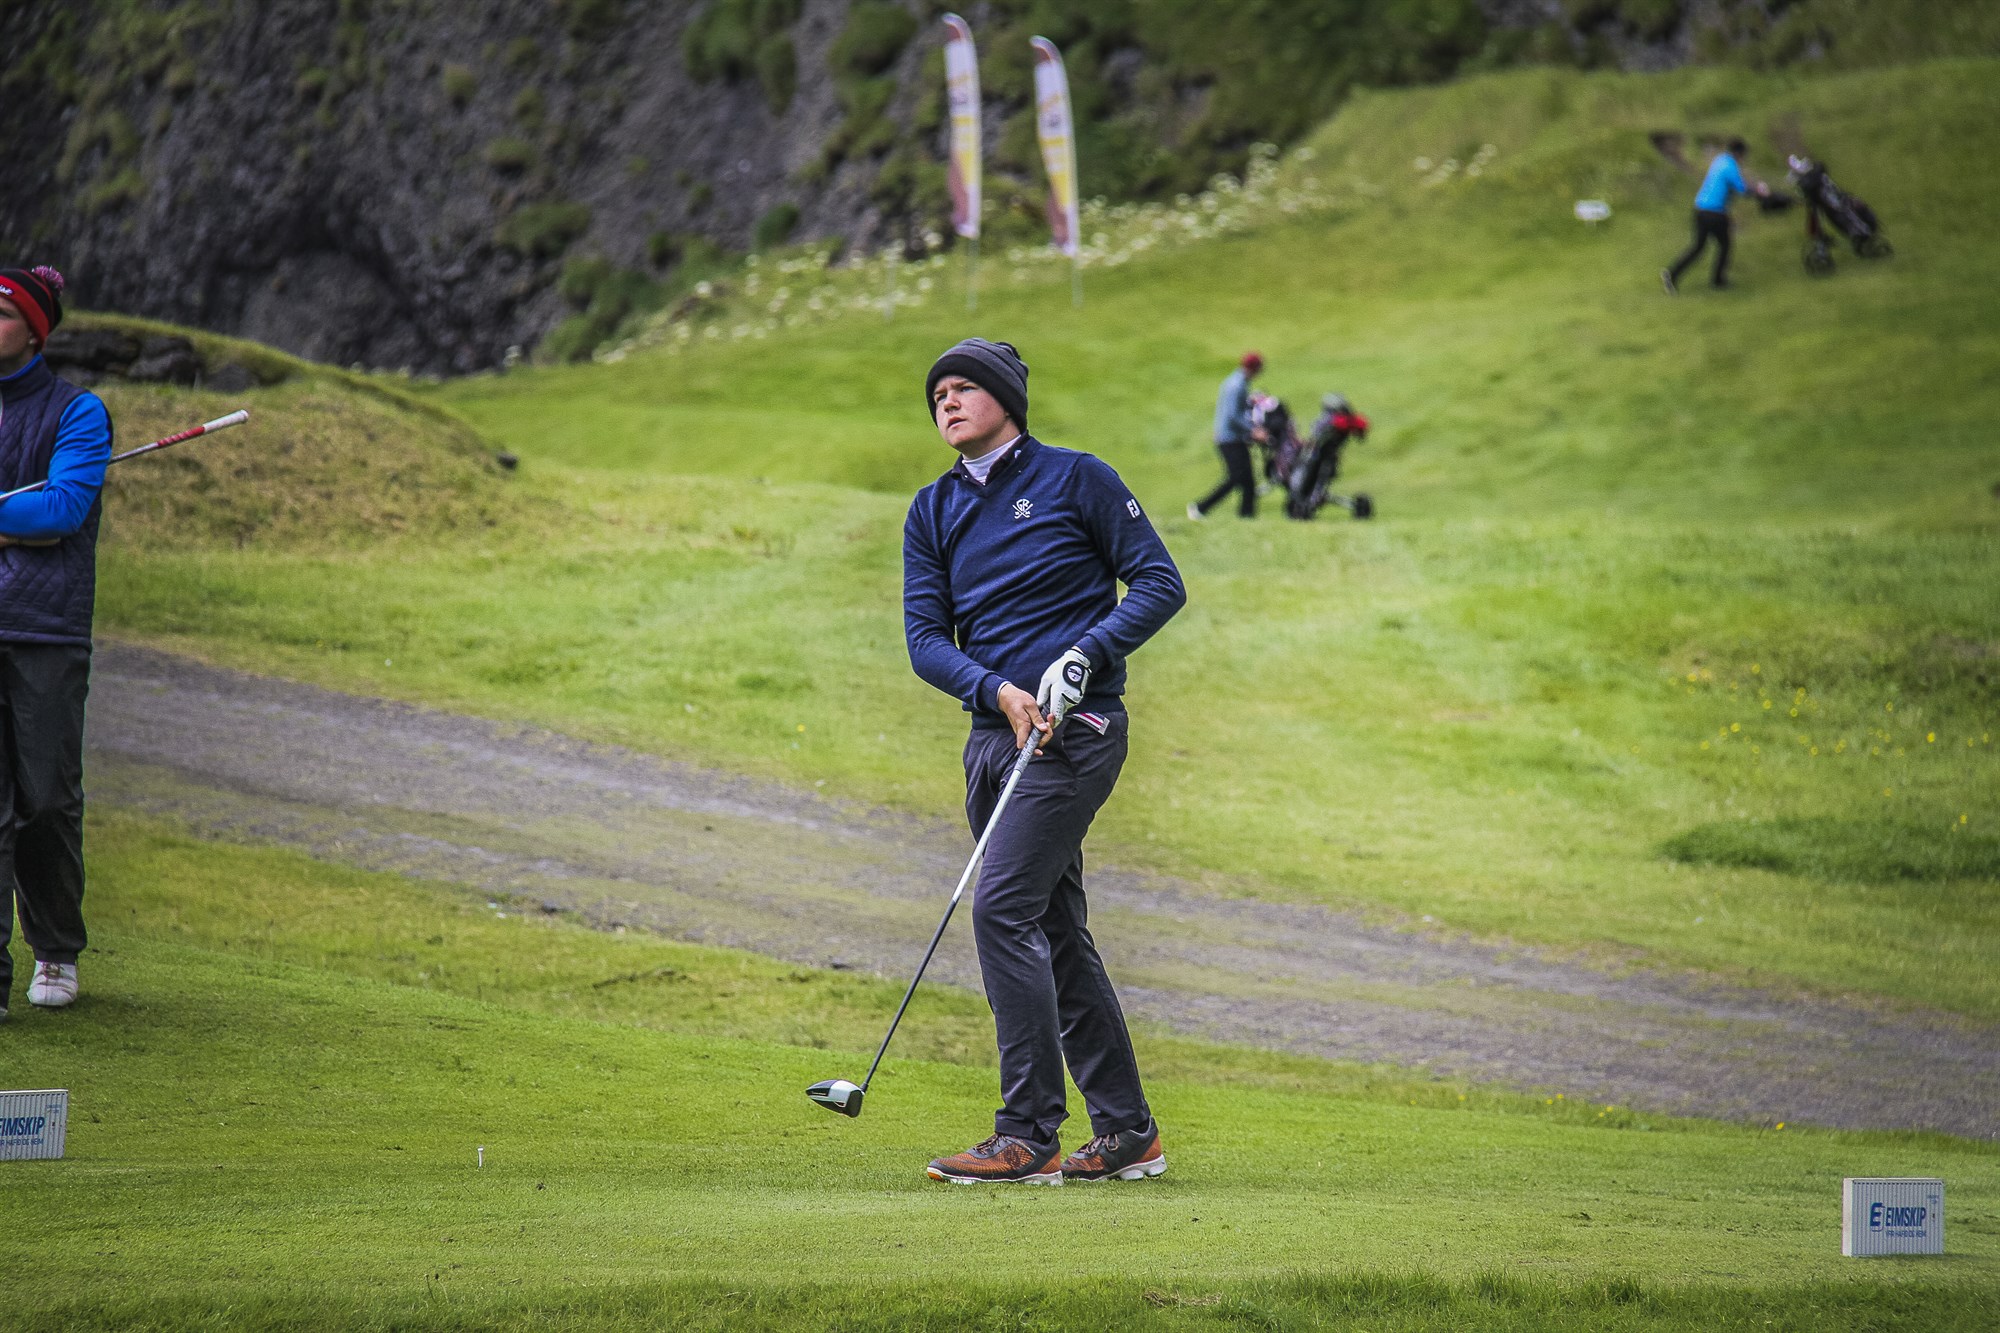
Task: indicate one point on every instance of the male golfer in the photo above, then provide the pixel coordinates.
(1011, 566)
(1235, 428)
(1719, 187)
(49, 430)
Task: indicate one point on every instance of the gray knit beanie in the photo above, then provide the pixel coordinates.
(994, 367)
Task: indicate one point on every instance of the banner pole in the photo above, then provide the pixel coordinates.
(972, 276)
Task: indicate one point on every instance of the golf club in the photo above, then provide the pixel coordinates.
(236, 418)
(837, 1094)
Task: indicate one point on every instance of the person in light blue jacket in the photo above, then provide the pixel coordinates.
(1722, 184)
(1234, 432)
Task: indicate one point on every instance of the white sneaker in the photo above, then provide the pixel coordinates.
(1194, 512)
(54, 985)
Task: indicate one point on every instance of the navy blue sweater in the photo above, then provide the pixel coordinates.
(1002, 579)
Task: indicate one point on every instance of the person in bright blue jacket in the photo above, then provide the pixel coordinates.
(50, 431)
(1719, 187)
(1011, 566)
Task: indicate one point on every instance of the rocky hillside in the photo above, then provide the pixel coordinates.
(423, 184)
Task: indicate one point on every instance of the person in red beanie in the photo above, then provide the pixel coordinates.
(50, 431)
(1234, 432)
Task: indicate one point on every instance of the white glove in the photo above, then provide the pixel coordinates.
(1063, 685)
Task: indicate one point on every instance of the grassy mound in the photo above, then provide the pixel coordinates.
(321, 463)
(327, 459)
(282, 1073)
(1642, 565)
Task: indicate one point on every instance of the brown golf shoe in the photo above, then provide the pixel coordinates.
(1001, 1159)
(1133, 1155)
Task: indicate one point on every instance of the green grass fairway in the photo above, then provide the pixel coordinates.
(282, 1072)
(1656, 583)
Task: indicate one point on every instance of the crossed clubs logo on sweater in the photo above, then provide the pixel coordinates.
(1024, 508)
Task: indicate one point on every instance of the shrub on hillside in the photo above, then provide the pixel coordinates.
(866, 129)
(1653, 20)
(776, 226)
(509, 154)
(588, 20)
(778, 71)
(875, 35)
(605, 296)
(115, 191)
(663, 248)
(581, 279)
(530, 109)
(543, 230)
(459, 82)
(110, 130)
(735, 39)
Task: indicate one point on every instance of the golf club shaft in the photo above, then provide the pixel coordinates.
(236, 418)
(1026, 757)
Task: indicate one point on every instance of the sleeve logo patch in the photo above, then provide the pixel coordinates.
(1132, 507)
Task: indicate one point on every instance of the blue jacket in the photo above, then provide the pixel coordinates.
(1723, 180)
(1002, 579)
(50, 430)
(1232, 409)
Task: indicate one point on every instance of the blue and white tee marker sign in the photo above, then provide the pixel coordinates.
(1891, 1215)
(33, 1124)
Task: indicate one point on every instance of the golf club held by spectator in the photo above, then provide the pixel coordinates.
(236, 418)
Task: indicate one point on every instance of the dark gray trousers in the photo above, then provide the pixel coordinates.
(42, 692)
(1052, 1002)
(1238, 474)
(1708, 226)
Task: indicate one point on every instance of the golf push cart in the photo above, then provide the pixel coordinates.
(1305, 467)
(1830, 207)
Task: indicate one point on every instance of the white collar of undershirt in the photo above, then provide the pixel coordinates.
(981, 467)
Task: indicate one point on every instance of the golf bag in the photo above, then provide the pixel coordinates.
(1828, 206)
(1281, 445)
(1311, 479)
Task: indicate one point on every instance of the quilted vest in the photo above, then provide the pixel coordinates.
(46, 592)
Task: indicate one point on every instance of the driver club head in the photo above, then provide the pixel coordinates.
(837, 1094)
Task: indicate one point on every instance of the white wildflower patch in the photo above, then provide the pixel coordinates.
(816, 285)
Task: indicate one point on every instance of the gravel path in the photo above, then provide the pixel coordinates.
(625, 838)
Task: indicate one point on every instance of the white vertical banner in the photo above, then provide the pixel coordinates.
(961, 82)
(1056, 129)
(1053, 127)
